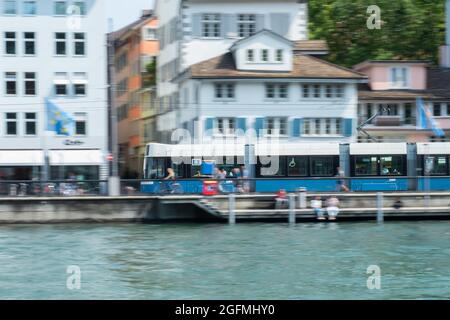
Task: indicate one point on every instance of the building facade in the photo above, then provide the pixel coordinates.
(135, 53)
(193, 31)
(53, 50)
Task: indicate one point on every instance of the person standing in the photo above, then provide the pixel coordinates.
(341, 180)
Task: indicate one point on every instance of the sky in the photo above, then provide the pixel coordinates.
(125, 12)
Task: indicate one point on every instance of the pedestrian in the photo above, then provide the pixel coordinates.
(316, 204)
(332, 208)
(341, 180)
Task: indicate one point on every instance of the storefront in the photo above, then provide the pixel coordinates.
(21, 165)
(75, 164)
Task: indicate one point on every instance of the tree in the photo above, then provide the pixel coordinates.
(410, 29)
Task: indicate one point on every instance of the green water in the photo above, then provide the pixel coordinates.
(246, 261)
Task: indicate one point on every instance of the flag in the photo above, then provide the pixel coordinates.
(425, 119)
(59, 121)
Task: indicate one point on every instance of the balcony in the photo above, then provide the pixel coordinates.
(388, 121)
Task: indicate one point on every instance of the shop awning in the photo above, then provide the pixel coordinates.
(76, 157)
(21, 158)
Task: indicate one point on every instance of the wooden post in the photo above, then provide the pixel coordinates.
(231, 209)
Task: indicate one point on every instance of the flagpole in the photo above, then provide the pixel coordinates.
(45, 171)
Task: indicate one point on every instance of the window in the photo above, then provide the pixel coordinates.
(60, 44)
(275, 126)
(366, 165)
(60, 8)
(339, 91)
(30, 83)
(80, 83)
(306, 90)
(279, 55)
(391, 165)
(436, 165)
(225, 126)
(297, 166)
(328, 91)
(30, 123)
(281, 171)
(30, 43)
(279, 91)
(322, 126)
(322, 166)
(150, 34)
(250, 55)
(10, 43)
(11, 123)
(29, 8)
(211, 25)
(264, 55)
(61, 82)
(317, 91)
(9, 7)
(437, 110)
(81, 7)
(10, 83)
(399, 77)
(224, 91)
(79, 43)
(80, 124)
(61, 89)
(408, 114)
(246, 25)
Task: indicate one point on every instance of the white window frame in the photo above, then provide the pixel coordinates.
(26, 121)
(277, 89)
(402, 82)
(4, 7)
(27, 79)
(317, 127)
(279, 55)
(211, 25)
(246, 25)
(250, 55)
(81, 117)
(11, 77)
(24, 3)
(56, 41)
(227, 91)
(7, 39)
(54, 8)
(279, 126)
(29, 40)
(150, 34)
(76, 41)
(82, 8)
(7, 121)
(224, 126)
(264, 55)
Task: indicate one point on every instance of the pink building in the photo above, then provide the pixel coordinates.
(394, 86)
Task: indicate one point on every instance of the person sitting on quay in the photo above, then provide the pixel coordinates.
(281, 199)
(332, 208)
(316, 204)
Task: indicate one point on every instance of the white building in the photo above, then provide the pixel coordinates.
(227, 65)
(54, 50)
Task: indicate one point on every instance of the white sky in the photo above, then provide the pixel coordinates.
(126, 11)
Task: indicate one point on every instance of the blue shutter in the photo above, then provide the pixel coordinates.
(241, 124)
(259, 126)
(297, 127)
(229, 24)
(260, 22)
(209, 124)
(280, 23)
(348, 127)
(197, 25)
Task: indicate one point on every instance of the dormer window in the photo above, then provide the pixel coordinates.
(211, 25)
(399, 77)
(264, 55)
(246, 25)
(280, 55)
(250, 55)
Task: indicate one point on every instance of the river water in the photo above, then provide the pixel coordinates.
(215, 261)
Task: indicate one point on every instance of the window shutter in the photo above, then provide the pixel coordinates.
(209, 124)
(241, 124)
(229, 25)
(348, 127)
(280, 23)
(297, 127)
(260, 22)
(197, 25)
(259, 126)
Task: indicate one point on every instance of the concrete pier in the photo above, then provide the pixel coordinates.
(254, 207)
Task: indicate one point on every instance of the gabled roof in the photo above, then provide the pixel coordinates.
(258, 34)
(304, 67)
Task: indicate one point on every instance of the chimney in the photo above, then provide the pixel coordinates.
(445, 50)
(146, 13)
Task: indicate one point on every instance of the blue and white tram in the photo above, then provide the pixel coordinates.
(433, 166)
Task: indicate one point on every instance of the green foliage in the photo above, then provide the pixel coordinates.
(411, 29)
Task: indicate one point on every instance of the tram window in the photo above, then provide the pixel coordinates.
(297, 166)
(438, 165)
(366, 165)
(322, 167)
(157, 169)
(391, 165)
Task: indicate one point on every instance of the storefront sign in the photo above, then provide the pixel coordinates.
(69, 142)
